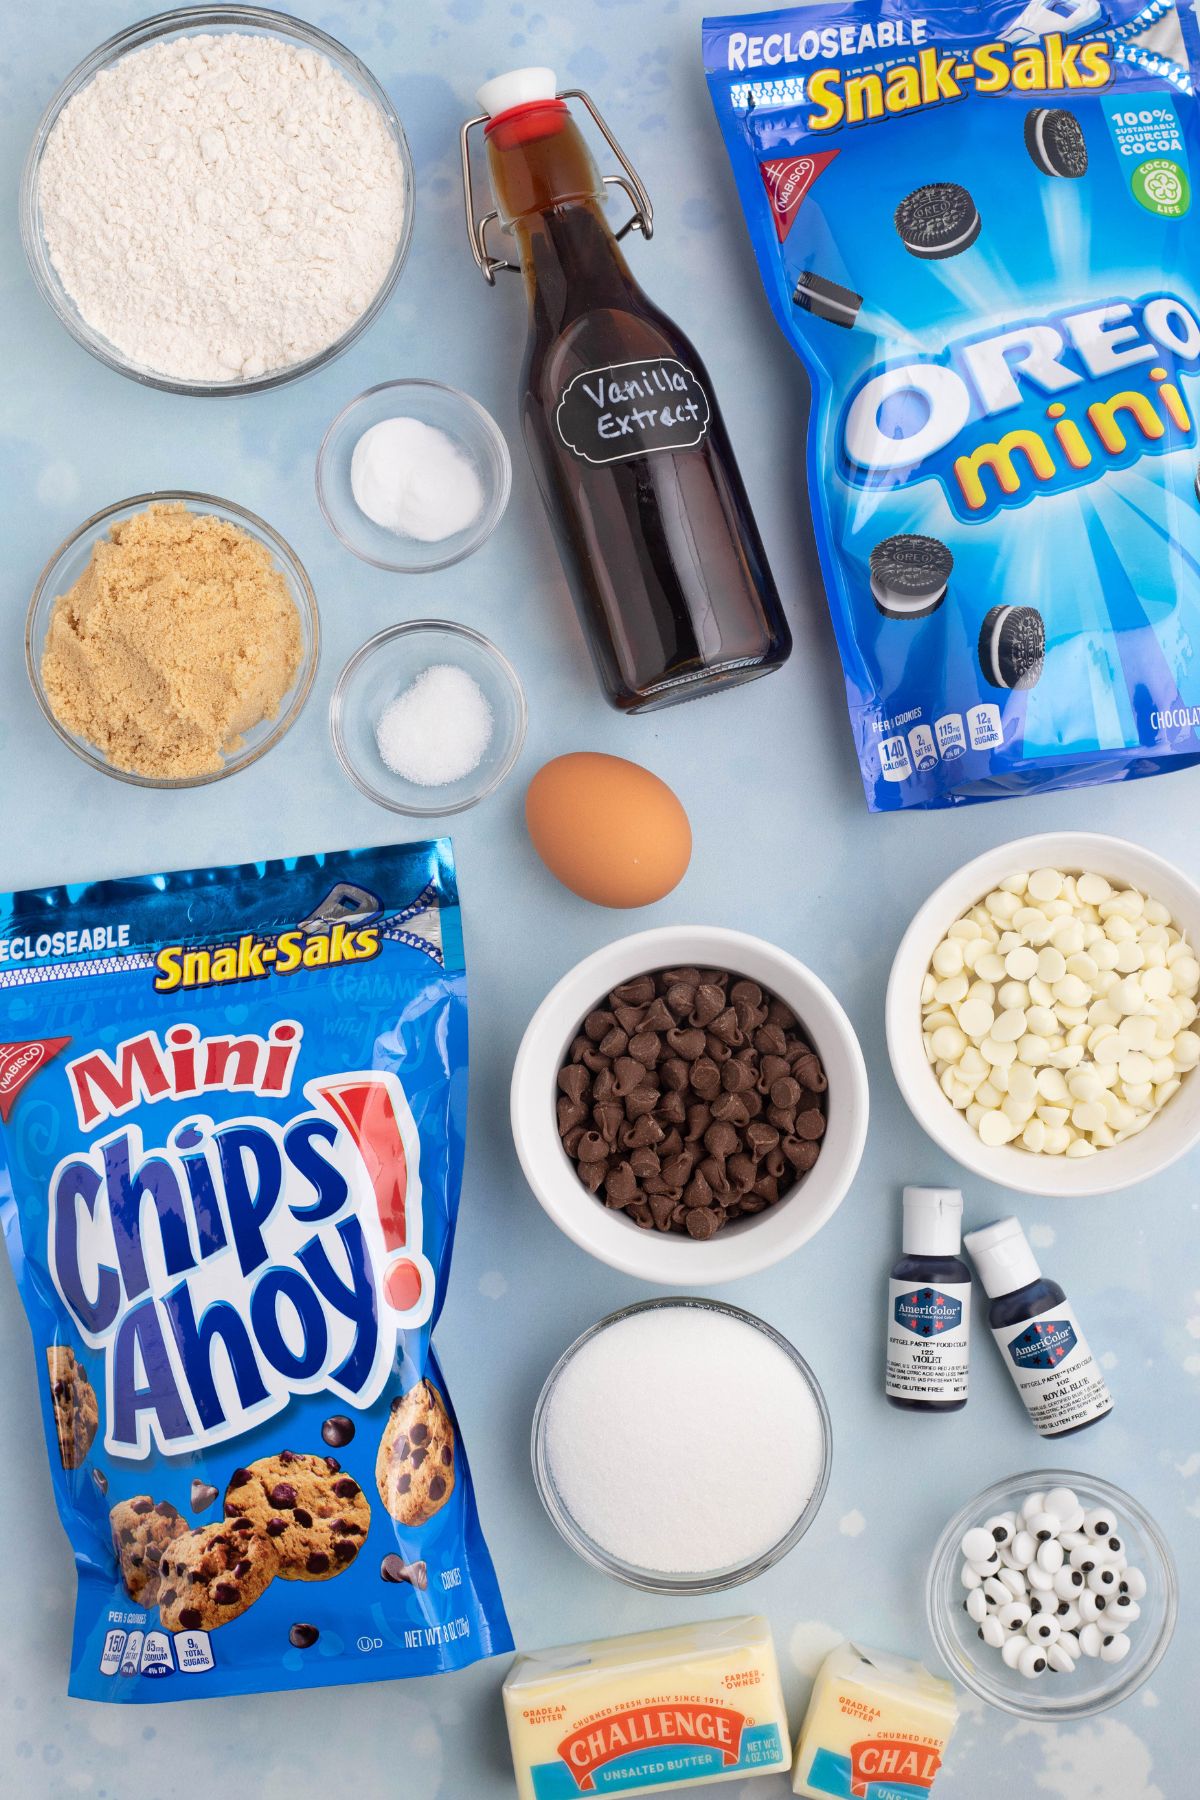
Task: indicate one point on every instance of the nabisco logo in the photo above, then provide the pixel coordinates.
(20, 1062)
(787, 179)
(715, 1728)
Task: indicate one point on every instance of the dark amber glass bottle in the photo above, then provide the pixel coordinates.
(630, 451)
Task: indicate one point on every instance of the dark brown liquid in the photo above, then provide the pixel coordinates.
(660, 546)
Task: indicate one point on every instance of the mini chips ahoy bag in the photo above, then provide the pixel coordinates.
(978, 226)
(232, 1105)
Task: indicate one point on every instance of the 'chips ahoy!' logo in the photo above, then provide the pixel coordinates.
(1044, 1345)
(927, 1312)
(244, 1260)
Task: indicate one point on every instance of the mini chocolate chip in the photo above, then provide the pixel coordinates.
(189, 1618)
(168, 1597)
(637, 992)
(317, 1563)
(418, 1457)
(338, 1430)
(705, 1078)
(282, 1494)
(437, 1487)
(687, 1044)
(569, 1113)
(447, 1455)
(344, 1552)
(573, 1081)
(721, 1140)
(302, 1517)
(276, 1527)
(701, 1222)
(303, 1637)
(141, 1506)
(592, 1148)
(810, 1124)
(225, 1594)
(101, 1480)
(239, 1478)
(348, 1489)
(242, 1569)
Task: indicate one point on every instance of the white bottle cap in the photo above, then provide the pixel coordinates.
(1002, 1257)
(932, 1221)
(518, 88)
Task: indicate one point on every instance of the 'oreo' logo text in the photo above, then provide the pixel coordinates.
(1079, 393)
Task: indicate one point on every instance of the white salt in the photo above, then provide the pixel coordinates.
(415, 481)
(438, 729)
(682, 1440)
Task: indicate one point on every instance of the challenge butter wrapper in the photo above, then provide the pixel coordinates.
(876, 1728)
(979, 227)
(232, 1104)
(649, 1712)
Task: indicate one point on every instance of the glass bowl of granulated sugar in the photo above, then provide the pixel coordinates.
(218, 200)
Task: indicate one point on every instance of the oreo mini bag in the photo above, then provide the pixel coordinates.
(978, 227)
(232, 1105)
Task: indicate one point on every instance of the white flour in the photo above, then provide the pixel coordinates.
(218, 207)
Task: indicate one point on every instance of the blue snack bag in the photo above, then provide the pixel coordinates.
(232, 1109)
(977, 226)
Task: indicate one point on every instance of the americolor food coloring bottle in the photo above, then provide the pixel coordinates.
(929, 1306)
(630, 452)
(1039, 1336)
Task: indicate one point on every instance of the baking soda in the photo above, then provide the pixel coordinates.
(414, 480)
(438, 729)
(683, 1440)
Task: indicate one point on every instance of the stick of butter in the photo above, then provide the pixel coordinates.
(653, 1711)
(876, 1728)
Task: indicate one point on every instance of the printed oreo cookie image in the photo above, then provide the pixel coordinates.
(1012, 646)
(1054, 139)
(909, 575)
(826, 299)
(937, 220)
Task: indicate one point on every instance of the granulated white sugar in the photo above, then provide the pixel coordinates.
(438, 729)
(221, 206)
(683, 1440)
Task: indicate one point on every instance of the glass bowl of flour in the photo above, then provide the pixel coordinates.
(218, 200)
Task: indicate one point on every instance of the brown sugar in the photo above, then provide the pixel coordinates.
(180, 636)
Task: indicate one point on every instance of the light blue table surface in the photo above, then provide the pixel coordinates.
(783, 847)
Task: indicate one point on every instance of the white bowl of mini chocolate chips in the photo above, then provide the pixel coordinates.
(1042, 1017)
(689, 1104)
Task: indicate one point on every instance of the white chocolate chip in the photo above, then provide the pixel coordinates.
(1058, 1012)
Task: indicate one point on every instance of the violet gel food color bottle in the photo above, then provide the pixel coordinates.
(929, 1306)
(1038, 1334)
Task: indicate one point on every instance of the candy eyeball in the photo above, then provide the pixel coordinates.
(979, 1545)
(1051, 1583)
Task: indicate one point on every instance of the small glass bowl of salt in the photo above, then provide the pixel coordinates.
(427, 718)
(413, 475)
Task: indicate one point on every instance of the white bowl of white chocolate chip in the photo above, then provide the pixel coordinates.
(1042, 1014)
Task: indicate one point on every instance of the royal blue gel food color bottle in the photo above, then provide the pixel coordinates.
(929, 1306)
(1039, 1336)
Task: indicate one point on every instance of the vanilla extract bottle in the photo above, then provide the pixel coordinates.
(631, 455)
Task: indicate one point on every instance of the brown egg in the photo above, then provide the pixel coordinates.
(608, 829)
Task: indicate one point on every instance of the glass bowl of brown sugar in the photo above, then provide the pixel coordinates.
(172, 639)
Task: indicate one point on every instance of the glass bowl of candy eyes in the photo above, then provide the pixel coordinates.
(756, 1238)
(1080, 922)
(1076, 1646)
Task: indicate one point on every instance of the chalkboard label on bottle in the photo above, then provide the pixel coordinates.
(632, 409)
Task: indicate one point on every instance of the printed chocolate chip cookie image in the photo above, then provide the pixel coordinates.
(141, 1530)
(76, 1414)
(414, 1470)
(314, 1514)
(210, 1576)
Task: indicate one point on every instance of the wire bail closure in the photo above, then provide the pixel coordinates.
(629, 181)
